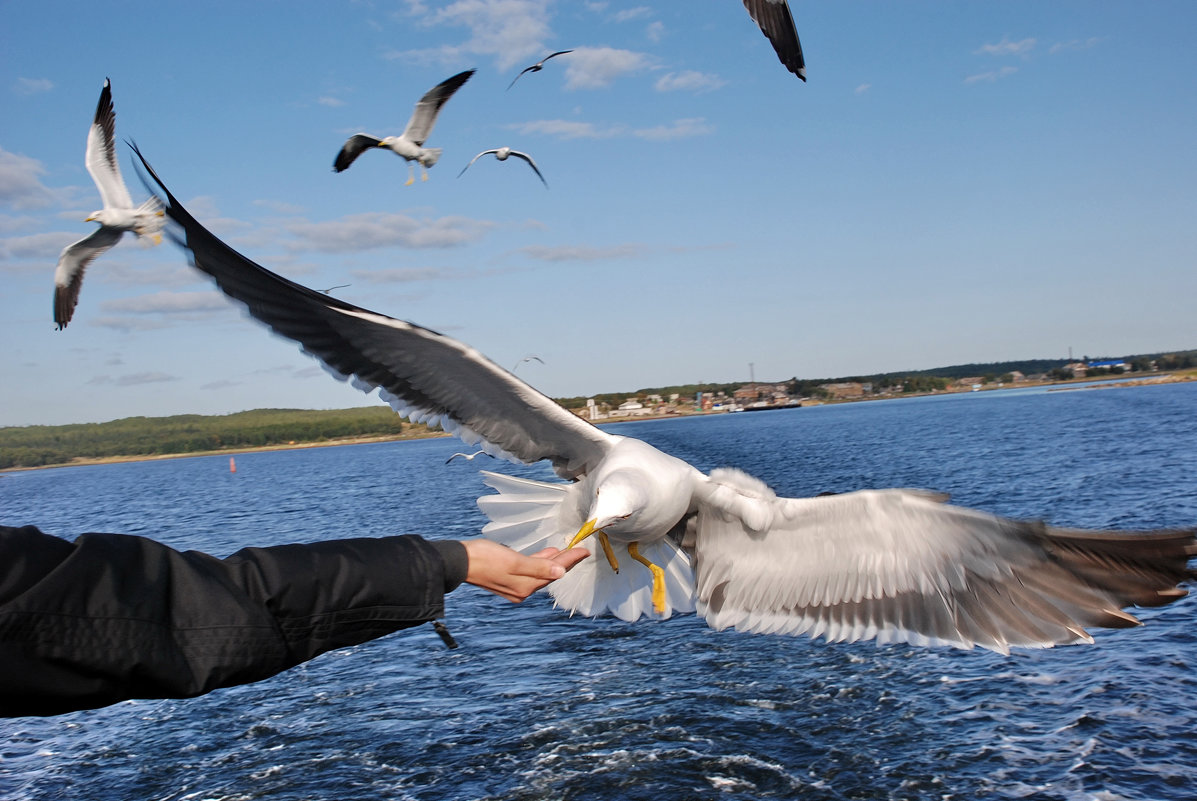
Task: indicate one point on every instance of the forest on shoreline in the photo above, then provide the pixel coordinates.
(40, 446)
(191, 434)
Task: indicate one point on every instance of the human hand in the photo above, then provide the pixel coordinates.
(510, 574)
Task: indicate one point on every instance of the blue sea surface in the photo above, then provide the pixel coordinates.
(538, 705)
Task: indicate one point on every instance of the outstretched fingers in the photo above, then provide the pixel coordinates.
(512, 575)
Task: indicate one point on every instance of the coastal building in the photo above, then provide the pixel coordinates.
(843, 390)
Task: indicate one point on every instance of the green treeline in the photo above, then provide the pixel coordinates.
(35, 446)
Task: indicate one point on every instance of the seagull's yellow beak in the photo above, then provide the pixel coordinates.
(90, 219)
(583, 533)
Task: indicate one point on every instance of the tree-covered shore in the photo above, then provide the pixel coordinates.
(187, 434)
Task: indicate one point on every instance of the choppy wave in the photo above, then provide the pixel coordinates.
(535, 705)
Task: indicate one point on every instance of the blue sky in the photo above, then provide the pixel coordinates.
(958, 182)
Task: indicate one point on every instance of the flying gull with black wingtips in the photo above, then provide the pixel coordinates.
(777, 23)
(537, 67)
(118, 215)
(892, 565)
(502, 154)
(409, 144)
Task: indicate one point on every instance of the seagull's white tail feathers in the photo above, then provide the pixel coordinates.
(149, 219)
(430, 155)
(592, 588)
(530, 515)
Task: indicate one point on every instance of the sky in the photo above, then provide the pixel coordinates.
(957, 182)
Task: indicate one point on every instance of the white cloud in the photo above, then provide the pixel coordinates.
(509, 30)
(581, 252)
(864, 87)
(20, 186)
(569, 129)
(10, 224)
(627, 15)
(1075, 44)
(599, 67)
(655, 31)
(1006, 47)
(169, 303)
(134, 379)
(279, 206)
(689, 81)
(333, 102)
(45, 246)
(991, 76)
(680, 129)
(373, 230)
(398, 275)
(32, 86)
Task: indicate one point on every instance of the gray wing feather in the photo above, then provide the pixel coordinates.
(776, 22)
(531, 164)
(471, 164)
(429, 107)
(100, 156)
(424, 375)
(901, 566)
(68, 275)
(354, 146)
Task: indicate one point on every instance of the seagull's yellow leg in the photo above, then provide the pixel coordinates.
(585, 532)
(411, 176)
(606, 543)
(658, 578)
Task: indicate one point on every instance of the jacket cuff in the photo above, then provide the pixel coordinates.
(457, 562)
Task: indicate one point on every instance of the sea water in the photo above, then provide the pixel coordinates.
(536, 705)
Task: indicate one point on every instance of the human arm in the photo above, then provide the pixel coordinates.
(113, 616)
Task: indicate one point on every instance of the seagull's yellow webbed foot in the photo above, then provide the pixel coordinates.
(411, 179)
(585, 532)
(658, 578)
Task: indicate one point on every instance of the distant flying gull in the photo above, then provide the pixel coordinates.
(527, 359)
(331, 288)
(117, 216)
(409, 144)
(469, 457)
(502, 154)
(537, 67)
(891, 564)
(776, 22)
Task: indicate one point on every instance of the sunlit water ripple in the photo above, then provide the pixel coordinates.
(535, 705)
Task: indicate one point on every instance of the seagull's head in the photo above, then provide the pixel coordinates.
(101, 217)
(617, 503)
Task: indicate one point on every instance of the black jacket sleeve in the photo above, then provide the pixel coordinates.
(113, 616)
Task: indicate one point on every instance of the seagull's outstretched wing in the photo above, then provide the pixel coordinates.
(354, 146)
(68, 276)
(101, 157)
(480, 155)
(425, 376)
(531, 164)
(903, 566)
(425, 114)
(776, 22)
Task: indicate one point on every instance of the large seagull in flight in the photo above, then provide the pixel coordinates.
(892, 565)
(410, 143)
(118, 215)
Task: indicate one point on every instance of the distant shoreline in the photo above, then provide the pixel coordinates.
(1054, 386)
